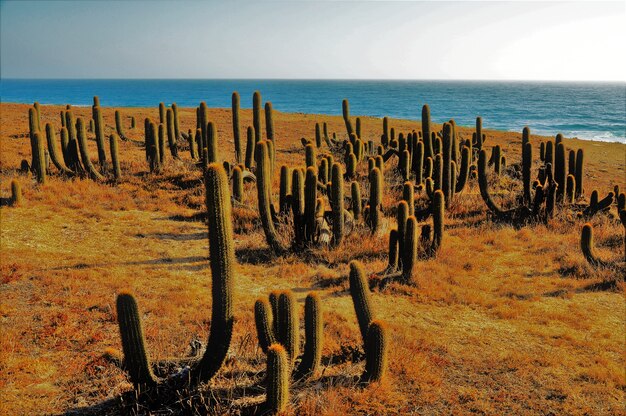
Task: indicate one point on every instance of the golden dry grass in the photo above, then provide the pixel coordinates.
(503, 321)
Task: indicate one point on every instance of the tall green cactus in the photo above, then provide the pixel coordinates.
(310, 156)
(560, 174)
(337, 204)
(118, 125)
(284, 194)
(479, 133)
(356, 204)
(298, 204)
(171, 138)
(161, 113)
(84, 151)
(409, 254)
(237, 184)
(393, 250)
(269, 122)
(345, 106)
(318, 136)
(438, 213)
(385, 136)
(263, 322)
(264, 187)
(176, 122)
(313, 331)
(115, 159)
(579, 173)
(52, 150)
(310, 202)
(376, 352)
(375, 202)
(256, 115)
(250, 147)
(289, 325)
(222, 262)
(136, 360)
(426, 132)
(99, 130)
(160, 142)
(212, 146)
(360, 292)
(236, 127)
(417, 162)
(527, 160)
(587, 247)
(39, 157)
(277, 379)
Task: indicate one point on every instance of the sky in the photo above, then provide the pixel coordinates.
(565, 41)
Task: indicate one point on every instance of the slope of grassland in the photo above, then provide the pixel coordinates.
(503, 321)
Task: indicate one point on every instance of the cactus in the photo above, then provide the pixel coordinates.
(176, 122)
(527, 160)
(375, 202)
(310, 156)
(417, 163)
(250, 147)
(133, 123)
(118, 125)
(393, 250)
(297, 204)
(202, 121)
(384, 139)
(360, 292)
(16, 193)
(277, 379)
(376, 352)
(345, 106)
(152, 146)
(211, 143)
(464, 170)
(160, 142)
(256, 115)
(479, 133)
(236, 129)
(409, 253)
(323, 172)
(84, 152)
(560, 174)
(569, 191)
(52, 149)
(269, 122)
(237, 184)
(351, 162)
(222, 262)
(136, 360)
(263, 319)
(318, 135)
(285, 190)
(571, 163)
(438, 221)
(264, 186)
(161, 113)
(356, 205)
(310, 202)
(193, 139)
(99, 130)
(289, 325)
(579, 173)
(587, 247)
(115, 160)
(337, 204)
(313, 331)
(402, 215)
(171, 138)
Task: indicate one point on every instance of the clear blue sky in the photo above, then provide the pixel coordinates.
(306, 39)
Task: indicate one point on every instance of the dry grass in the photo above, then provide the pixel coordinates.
(503, 321)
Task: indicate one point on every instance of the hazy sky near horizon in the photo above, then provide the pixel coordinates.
(307, 39)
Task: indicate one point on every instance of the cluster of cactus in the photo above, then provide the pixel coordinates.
(277, 331)
(404, 247)
(222, 262)
(74, 158)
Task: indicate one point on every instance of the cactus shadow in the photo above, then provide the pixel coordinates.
(603, 286)
(177, 237)
(5, 202)
(197, 217)
(254, 256)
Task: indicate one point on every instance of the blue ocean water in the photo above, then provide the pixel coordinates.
(593, 111)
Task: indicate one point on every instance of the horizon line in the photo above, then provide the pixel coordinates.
(309, 79)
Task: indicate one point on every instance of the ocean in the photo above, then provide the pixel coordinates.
(591, 111)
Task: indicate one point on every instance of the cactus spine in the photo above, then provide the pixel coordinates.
(376, 352)
(360, 292)
(222, 262)
(277, 379)
(136, 360)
